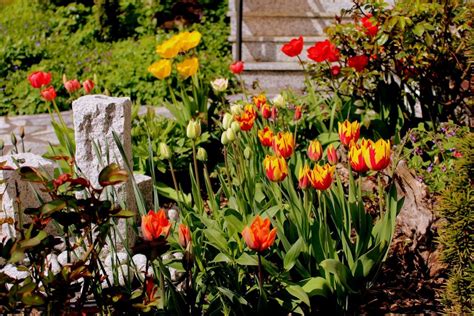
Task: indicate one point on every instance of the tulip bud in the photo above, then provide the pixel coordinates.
(201, 154)
(274, 113)
(220, 84)
(235, 127)
(279, 100)
(227, 120)
(236, 109)
(230, 135)
(13, 139)
(193, 130)
(22, 132)
(224, 139)
(247, 153)
(165, 152)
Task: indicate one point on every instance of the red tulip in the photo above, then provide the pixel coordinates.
(297, 115)
(371, 29)
(335, 70)
(258, 236)
(331, 154)
(294, 47)
(266, 111)
(184, 235)
(154, 225)
(237, 67)
(88, 85)
(358, 62)
(39, 78)
(49, 94)
(274, 113)
(72, 85)
(323, 51)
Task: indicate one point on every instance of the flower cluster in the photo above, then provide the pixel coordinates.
(40, 79)
(169, 49)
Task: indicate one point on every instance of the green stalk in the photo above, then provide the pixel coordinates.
(196, 166)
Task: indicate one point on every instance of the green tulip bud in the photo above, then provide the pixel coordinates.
(227, 120)
(247, 152)
(235, 127)
(230, 135)
(201, 154)
(165, 152)
(13, 139)
(193, 130)
(236, 109)
(224, 139)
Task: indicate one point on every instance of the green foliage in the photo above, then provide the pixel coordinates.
(63, 40)
(456, 205)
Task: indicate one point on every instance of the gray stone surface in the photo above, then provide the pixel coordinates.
(272, 77)
(96, 118)
(145, 184)
(14, 186)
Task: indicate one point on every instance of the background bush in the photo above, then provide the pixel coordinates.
(66, 37)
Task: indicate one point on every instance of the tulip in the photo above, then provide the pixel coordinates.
(184, 235)
(266, 136)
(247, 118)
(154, 225)
(377, 155)
(235, 127)
(294, 47)
(331, 154)
(169, 48)
(322, 177)
(247, 152)
(297, 115)
(220, 84)
(283, 144)
(49, 94)
(335, 70)
(161, 69)
(165, 152)
(72, 85)
(259, 100)
(236, 109)
(39, 78)
(356, 156)
(323, 51)
(348, 132)
(315, 150)
(358, 62)
(371, 29)
(201, 154)
(258, 236)
(227, 120)
(188, 67)
(230, 134)
(189, 40)
(266, 111)
(193, 130)
(88, 85)
(279, 100)
(276, 168)
(237, 67)
(274, 113)
(224, 140)
(304, 177)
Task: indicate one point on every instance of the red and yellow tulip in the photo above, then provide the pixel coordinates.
(265, 136)
(304, 177)
(258, 236)
(377, 155)
(266, 110)
(331, 154)
(315, 150)
(356, 155)
(322, 176)
(348, 132)
(283, 144)
(246, 119)
(259, 100)
(276, 168)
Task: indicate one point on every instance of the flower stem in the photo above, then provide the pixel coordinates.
(196, 167)
(175, 183)
(260, 271)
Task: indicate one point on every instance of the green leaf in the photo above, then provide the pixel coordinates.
(221, 258)
(31, 174)
(328, 138)
(32, 299)
(382, 39)
(217, 239)
(419, 29)
(124, 214)
(34, 241)
(247, 260)
(292, 254)
(233, 297)
(298, 292)
(112, 175)
(52, 207)
(341, 272)
(316, 286)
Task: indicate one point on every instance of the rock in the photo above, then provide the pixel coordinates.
(118, 258)
(140, 262)
(52, 264)
(14, 273)
(173, 214)
(145, 185)
(13, 185)
(96, 118)
(415, 217)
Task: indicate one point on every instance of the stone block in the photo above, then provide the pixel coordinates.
(13, 189)
(145, 185)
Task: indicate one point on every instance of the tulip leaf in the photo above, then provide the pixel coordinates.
(316, 286)
(233, 297)
(221, 258)
(124, 214)
(292, 254)
(34, 241)
(328, 138)
(216, 239)
(298, 292)
(341, 272)
(52, 207)
(247, 260)
(366, 262)
(112, 175)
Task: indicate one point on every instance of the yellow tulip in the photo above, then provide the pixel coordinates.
(161, 69)
(189, 40)
(188, 67)
(169, 48)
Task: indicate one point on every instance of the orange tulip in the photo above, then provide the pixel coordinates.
(184, 235)
(276, 168)
(331, 154)
(155, 225)
(265, 136)
(315, 150)
(377, 155)
(258, 236)
(298, 110)
(349, 132)
(304, 177)
(356, 156)
(322, 177)
(266, 111)
(246, 118)
(88, 85)
(283, 144)
(259, 100)
(49, 94)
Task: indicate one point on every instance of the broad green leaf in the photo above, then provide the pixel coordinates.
(233, 297)
(51, 207)
(112, 175)
(298, 292)
(247, 260)
(341, 272)
(292, 254)
(316, 286)
(34, 241)
(217, 239)
(221, 258)
(32, 299)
